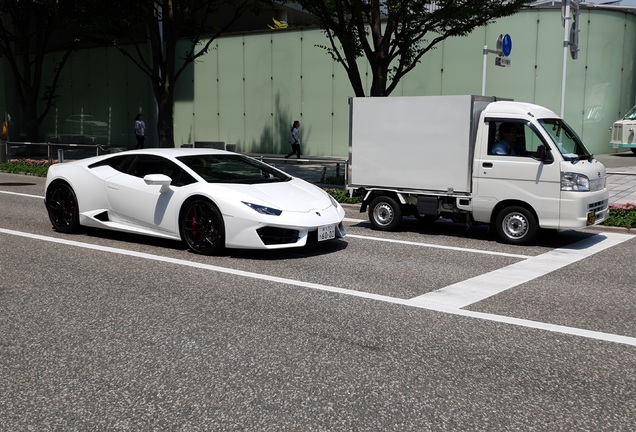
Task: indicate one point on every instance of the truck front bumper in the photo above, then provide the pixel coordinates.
(580, 209)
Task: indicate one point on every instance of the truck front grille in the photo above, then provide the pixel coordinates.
(597, 206)
(617, 133)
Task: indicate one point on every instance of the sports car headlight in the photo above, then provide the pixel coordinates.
(574, 182)
(263, 210)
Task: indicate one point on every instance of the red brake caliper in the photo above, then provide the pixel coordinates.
(194, 227)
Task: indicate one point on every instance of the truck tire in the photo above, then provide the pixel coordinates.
(385, 213)
(633, 150)
(516, 225)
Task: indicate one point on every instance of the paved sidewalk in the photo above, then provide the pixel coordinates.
(621, 176)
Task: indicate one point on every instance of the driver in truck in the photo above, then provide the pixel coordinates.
(508, 135)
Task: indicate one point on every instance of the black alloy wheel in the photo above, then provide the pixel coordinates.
(62, 207)
(202, 228)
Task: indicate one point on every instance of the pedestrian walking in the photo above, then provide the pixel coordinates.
(140, 131)
(295, 140)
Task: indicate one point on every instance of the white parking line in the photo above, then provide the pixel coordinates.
(472, 290)
(436, 246)
(607, 337)
(22, 194)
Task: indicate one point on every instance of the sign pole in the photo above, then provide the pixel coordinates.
(504, 48)
(566, 45)
(483, 71)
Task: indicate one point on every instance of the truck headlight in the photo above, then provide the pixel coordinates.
(574, 182)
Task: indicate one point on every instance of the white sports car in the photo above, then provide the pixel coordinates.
(210, 199)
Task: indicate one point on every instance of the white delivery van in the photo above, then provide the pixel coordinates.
(623, 132)
(435, 156)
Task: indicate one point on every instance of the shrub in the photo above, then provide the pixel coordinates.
(341, 196)
(622, 215)
(34, 167)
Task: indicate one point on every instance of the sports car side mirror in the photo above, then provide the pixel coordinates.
(158, 179)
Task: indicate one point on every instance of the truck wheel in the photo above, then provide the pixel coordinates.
(385, 213)
(633, 150)
(516, 225)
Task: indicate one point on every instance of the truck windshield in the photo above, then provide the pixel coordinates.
(631, 114)
(565, 139)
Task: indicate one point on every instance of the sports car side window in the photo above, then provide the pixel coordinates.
(120, 163)
(143, 165)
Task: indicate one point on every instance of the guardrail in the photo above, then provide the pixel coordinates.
(308, 168)
(311, 169)
(5, 150)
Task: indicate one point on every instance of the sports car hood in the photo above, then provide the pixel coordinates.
(295, 195)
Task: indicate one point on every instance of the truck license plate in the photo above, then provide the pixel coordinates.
(591, 218)
(326, 232)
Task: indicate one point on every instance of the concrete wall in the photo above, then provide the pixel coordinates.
(250, 87)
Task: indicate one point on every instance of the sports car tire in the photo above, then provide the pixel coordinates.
(201, 226)
(62, 207)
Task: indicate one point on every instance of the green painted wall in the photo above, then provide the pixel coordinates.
(250, 87)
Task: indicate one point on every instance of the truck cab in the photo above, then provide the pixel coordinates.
(623, 132)
(547, 179)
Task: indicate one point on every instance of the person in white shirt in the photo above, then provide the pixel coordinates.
(140, 131)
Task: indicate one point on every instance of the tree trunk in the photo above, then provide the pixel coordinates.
(31, 118)
(165, 119)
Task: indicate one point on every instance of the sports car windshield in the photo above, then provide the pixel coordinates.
(566, 140)
(231, 168)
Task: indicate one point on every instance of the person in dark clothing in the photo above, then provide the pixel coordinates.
(295, 140)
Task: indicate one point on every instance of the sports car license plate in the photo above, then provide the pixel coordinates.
(591, 218)
(326, 232)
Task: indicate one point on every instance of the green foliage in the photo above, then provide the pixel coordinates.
(27, 166)
(341, 196)
(393, 35)
(622, 215)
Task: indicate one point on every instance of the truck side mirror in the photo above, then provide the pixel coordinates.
(543, 154)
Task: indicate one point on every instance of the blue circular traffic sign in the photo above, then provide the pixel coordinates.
(506, 45)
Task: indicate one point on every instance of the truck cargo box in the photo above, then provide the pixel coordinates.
(420, 143)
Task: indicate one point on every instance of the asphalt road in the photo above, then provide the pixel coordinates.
(438, 328)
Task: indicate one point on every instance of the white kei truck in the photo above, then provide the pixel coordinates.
(435, 156)
(623, 132)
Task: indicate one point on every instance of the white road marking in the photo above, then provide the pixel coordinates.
(473, 290)
(354, 220)
(607, 337)
(22, 194)
(436, 246)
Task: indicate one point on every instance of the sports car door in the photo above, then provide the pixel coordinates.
(134, 202)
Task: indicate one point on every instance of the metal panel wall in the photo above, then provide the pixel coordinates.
(250, 87)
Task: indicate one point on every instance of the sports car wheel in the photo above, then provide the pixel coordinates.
(202, 227)
(516, 225)
(62, 207)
